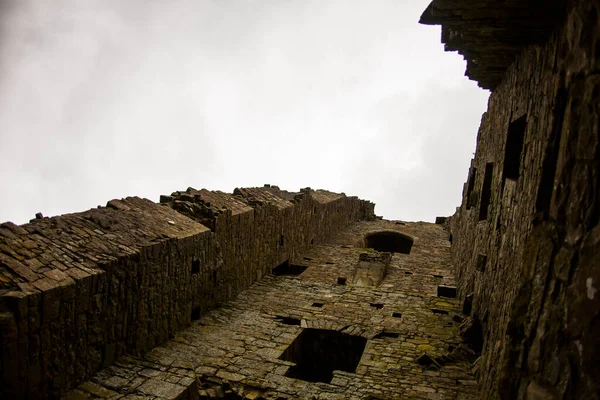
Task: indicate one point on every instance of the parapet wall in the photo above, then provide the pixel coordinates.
(526, 240)
(79, 290)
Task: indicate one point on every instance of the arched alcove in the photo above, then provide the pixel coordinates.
(391, 242)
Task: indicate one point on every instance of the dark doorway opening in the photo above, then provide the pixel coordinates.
(287, 269)
(486, 191)
(317, 353)
(514, 148)
(446, 291)
(391, 242)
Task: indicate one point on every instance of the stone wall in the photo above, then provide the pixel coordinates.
(79, 290)
(526, 240)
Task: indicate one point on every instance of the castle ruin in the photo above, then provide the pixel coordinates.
(269, 294)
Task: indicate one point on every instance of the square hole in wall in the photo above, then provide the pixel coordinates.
(287, 269)
(378, 306)
(438, 311)
(195, 266)
(438, 276)
(341, 280)
(318, 352)
(407, 273)
(396, 315)
(446, 291)
(318, 305)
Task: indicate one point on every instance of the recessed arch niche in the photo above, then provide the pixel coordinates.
(389, 241)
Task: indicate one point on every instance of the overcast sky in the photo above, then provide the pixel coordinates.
(103, 99)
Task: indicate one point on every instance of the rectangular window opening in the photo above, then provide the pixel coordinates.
(514, 148)
(446, 291)
(195, 266)
(318, 352)
(471, 199)
(196, 313)
(486, 191)
(287, 269)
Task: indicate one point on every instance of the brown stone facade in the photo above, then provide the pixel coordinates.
(526, 239)
(80, 290)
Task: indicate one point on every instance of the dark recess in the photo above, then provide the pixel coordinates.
(486, 191)
(468, 305)
(195, 313)
(281, 240)
(396, 315)
(319, 305)
(195, 266)
(287, 269)
(481, 262)
(471, 201)
(438, 311)
(446, 291)
(514, 148)
(287, 320)
(341, 280)
(317, 353)
(391, 242)
(378, 306)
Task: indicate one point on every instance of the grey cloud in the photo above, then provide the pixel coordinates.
(104, 99)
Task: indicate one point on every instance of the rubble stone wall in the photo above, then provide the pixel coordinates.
(530, 254)
(79, 290)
